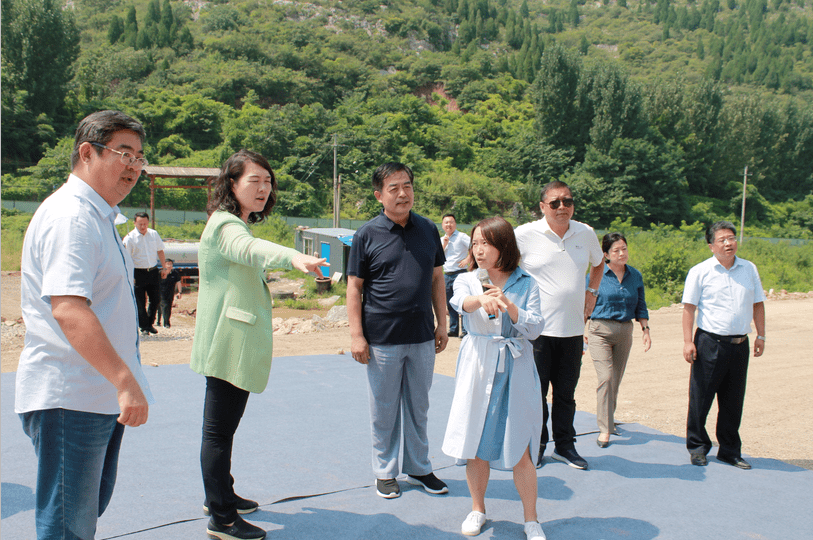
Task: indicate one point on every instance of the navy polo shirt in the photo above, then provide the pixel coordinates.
(396, 264)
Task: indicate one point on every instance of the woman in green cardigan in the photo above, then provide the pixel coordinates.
(233, 331)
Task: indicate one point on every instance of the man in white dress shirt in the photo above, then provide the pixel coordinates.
(456, 248)
(79, 381)
(726, 293)
(557, 251)
(147, 249)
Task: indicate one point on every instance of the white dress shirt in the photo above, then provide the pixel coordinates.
(724, 298)
(72, 248)
(456, 251)
(144, 248)
(559, 266)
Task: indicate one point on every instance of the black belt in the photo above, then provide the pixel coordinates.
(455, 273)
(147, 269)
(734, 340)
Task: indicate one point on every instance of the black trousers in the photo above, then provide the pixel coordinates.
(223, 409)
(166, 310)
(147, 286)
(558, 362)
(720, 369)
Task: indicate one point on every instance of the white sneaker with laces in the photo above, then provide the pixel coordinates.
(533, 530)
(474, 523)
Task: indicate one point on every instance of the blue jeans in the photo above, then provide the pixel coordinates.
(454, 317)
(399, 378)
(77, 455)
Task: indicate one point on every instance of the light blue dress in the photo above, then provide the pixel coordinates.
(496, 411)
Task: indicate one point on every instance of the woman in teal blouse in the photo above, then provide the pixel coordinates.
(620, 299)
(233, 330)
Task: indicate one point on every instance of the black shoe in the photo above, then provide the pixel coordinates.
(239, 530)
(387, 488)
(431, 483)
(571, 457)
(152, 330)
(602, 444)
(737, 462)
(166, 325)
(699, 460)
(541, 459)
(452, 334)
(244, 506)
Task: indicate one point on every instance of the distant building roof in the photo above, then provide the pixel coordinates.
(336, 232)
(180, 172)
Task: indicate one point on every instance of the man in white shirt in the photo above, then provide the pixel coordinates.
(726, 293)
(456, 248)
(79, 381)
(147, 249)
(557, 251)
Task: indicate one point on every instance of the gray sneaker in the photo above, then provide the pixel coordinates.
(388, 488)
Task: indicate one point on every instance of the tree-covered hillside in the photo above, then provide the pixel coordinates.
(650, 110)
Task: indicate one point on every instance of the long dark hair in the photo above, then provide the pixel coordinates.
(232, 170)
(500, 234)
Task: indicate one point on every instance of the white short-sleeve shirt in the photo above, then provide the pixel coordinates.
(72, 248)
(144, 248)
(559, 266)
(724, 298)
(456, 251)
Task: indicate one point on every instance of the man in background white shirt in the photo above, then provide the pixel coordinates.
(79, 381)
(146, 248)
(456, 248)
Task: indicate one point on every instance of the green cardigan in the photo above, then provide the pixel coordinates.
(233, 331)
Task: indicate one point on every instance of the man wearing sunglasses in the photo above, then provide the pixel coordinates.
(79, 381)
(557, 251)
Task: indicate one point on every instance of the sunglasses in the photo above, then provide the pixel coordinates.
(556, 202)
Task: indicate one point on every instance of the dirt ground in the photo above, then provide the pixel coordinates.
(776, 422)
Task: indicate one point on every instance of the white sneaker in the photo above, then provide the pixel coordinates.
(474, 523)
(533, 530)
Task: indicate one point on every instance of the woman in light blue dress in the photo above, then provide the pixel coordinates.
(496, 414)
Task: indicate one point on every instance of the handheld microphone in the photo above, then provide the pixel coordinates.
(482, 275)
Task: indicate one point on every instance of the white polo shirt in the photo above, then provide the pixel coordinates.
(72, 248)
(724, 298)
(559, 266)
(456, 251)
(144, 248)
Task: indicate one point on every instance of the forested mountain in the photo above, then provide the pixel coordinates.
(650, 110)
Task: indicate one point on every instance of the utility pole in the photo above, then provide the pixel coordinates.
(335, 186)
(745, 176)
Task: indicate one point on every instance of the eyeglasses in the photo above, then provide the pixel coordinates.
(726, 240)
(126, 157)
(556, 202)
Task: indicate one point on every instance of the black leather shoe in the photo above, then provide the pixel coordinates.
(699, 460)
(452, 334)
(602, 444)
(152, 330)
(738, 462)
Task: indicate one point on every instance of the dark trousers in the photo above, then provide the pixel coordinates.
(165, 311)
(558, 362)
(147, 286)
(223, 408)
(454, 317)
(720, 369)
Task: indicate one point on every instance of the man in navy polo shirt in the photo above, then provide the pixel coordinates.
(395, 282)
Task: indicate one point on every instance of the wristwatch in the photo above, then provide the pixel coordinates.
(593, 291)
